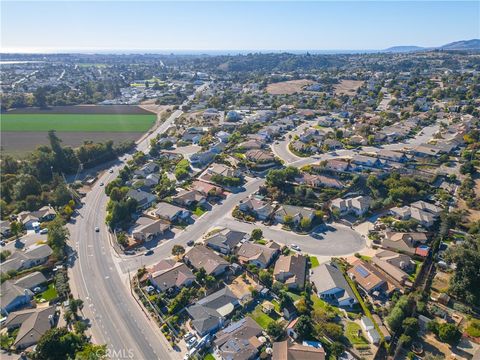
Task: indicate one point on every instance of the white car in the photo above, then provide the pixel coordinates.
(191, 343)
(110, 171)
(187, 336)
(44, 231)
(101, 184)
(295, 247)
(97, 229)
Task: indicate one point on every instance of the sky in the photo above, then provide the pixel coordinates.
(55, 26)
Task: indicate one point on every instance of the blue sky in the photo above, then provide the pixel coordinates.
(249, 25)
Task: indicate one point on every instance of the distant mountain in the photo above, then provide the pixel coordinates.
(403, 49)
(473, 44)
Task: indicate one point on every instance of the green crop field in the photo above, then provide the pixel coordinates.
(77, 122)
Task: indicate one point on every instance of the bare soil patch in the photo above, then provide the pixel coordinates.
(85, 109)
(288, 87)
(20, 143)
(347, 87)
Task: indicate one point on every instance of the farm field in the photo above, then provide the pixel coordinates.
(347, 87)
(23, 130)
(77, 122)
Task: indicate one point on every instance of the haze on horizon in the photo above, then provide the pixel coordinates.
(62, 26)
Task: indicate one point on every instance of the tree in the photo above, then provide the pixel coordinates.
(448, 333)
(16, 228)
(26, 185)
(337, 349)
(201, 276)
(304, 327)
(178, 250)
(257, 234)
(40, 97)
(305, 223)
(57, 237)
(266, 278)
(410, 326)
(58, 343)
(92, 352)
(275, 330)
(288, 220)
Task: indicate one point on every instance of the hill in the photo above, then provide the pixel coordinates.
(403, 49)
(473, 44)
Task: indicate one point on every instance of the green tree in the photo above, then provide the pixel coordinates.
(304, 327)
(92, 352)
(305, 223)
(257, 234)
(58, 343)
(178, 250)
(26, 185)
(266, 278)
(57, 237)
(448, 333)
(275, 330)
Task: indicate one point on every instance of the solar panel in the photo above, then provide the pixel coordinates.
(364, 273)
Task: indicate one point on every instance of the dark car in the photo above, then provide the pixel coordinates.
(190, 243)
(149, 252)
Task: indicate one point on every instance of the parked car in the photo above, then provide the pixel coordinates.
(44, 231)
(149, 252)
(101, 184)
(190, 243)
(191, 343)
(295, 247)
(188, 336)
(110, 171)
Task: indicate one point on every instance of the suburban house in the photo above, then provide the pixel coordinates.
(145, 170)
(33, 256)
(401, 261)
(144, 199)
(260, 208)
(31, 220)
(289, 350)
(201, 257)
(332, 144)
(392, 271)
(360, 162)
(202, 158)
(170, 212)
(223, 170)
(239, 340)
(297, 213)
(366, 279)
(404, 242)
(331, 286)
(16, 294)
(206, 189)
(425, 213)
(259, 255)
(189, 197)
(31, 324)
(337, 165)
(358, 205)
(168, 274)
(262, 157)
(225, 241)
(251, 145)
(317, 181)
(208, 314)
(146, 228)
(391, 155)
(291, 270)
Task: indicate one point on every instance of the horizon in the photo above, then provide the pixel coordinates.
(193, 27)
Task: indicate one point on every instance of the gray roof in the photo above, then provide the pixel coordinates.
(242, 329)
(31, 280)
(226, 239)
(207, 312)
(142, 197)
(9, 291)
(202, 257)
(164, 209)
(18, 258)
(326, 277)
(33, 324)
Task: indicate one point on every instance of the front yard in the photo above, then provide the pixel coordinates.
(49, 294)
(260, 317)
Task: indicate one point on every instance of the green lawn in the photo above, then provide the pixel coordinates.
(351, 332)
(413, 275)
(314, 262)
(77, 122)
(48, 294)
(321, 304)
(199, 211)
(209, 357)
(294, 296)
(260, 317)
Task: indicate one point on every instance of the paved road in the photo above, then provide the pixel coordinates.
(338, 240)
(116, 318)
(281, 149)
